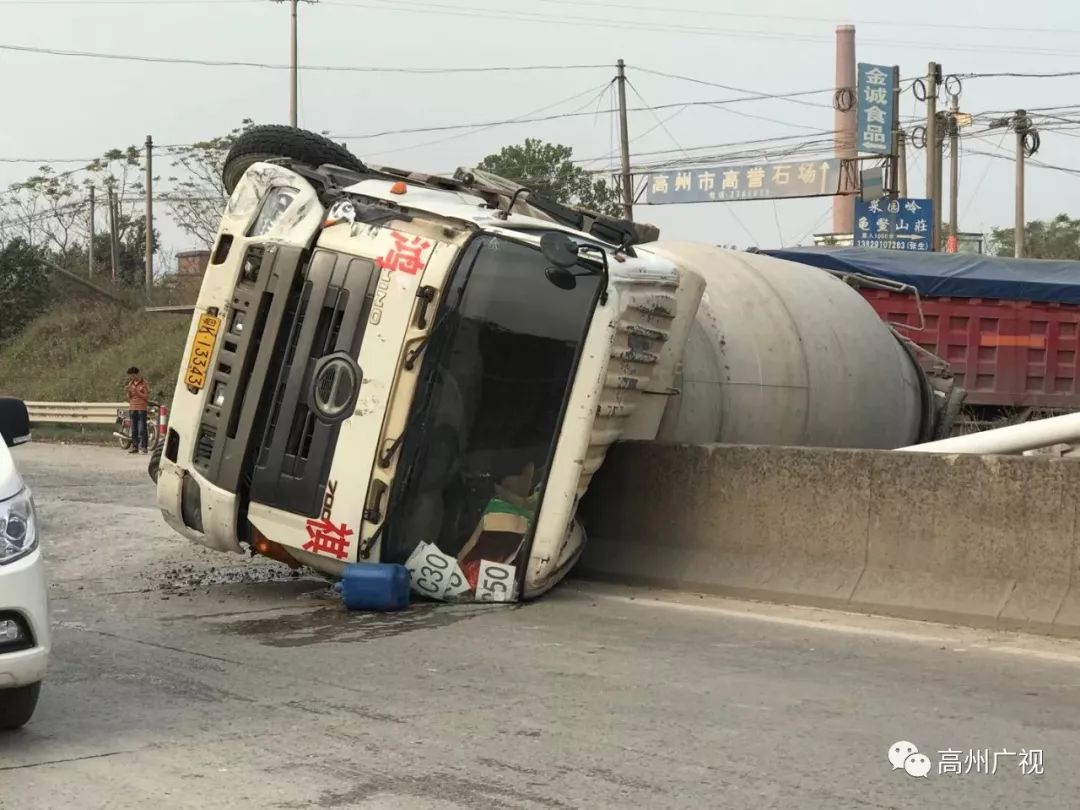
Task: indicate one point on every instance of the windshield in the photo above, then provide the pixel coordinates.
(485, 417)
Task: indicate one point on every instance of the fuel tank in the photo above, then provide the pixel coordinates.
(780, 353)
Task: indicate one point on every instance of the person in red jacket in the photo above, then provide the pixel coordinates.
(138, 394)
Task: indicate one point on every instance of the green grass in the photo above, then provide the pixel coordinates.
(80, 351)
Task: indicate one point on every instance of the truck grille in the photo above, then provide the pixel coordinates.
(295, 449)
(204, 446)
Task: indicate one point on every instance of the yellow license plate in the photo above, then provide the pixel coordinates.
(201, 351)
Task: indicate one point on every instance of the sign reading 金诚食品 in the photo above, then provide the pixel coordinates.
(758, 181)
(893, 224)
(874, 109)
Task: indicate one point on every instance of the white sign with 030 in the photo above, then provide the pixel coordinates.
(434, 574)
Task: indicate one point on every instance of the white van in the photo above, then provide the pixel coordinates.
(24, 623)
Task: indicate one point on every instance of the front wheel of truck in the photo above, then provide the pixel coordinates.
(155, 463)
(273, 141)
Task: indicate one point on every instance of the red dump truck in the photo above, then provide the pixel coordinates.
(1009, 329)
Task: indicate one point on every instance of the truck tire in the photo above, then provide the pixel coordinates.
(949, 413)
(273, 141)
(155, 463)
(153, 434)
(17, 705)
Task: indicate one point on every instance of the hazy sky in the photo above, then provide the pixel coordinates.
(66, 107)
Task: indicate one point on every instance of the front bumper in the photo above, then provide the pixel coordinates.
(24, 592)
(217, 508)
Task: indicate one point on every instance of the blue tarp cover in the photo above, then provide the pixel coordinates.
(959, 275)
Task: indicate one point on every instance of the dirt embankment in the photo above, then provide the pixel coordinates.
(79, 352)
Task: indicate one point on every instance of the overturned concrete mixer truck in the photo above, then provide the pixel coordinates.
(392, 367)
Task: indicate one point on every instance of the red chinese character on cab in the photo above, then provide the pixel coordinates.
(327, 538)
(406, 256)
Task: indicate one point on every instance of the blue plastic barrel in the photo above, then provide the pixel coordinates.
(375, 586)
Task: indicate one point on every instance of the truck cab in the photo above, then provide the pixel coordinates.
(408, 374)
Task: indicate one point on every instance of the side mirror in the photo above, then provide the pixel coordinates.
(14, 421)
(559, 249)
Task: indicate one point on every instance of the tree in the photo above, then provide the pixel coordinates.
(24, 286)
(50, 212)
(546, 168)
(131, 238)
(1058, 238)
(45, 210)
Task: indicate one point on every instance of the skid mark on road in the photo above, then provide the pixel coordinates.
(70, 759)
(333, 624)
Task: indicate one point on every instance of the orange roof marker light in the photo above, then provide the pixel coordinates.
(398, 188)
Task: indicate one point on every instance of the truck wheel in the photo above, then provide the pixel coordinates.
(949, 412)
(155, 463)
(17, 705)
(273, 141)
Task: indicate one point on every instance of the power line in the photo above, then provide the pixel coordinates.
(590, 92)
(817, 224)
(169, 60)
(577, 3)
(1029, 162)
(975, 193)
(752, 142)
(44, 161)
(126, 2)
(614, 153)
(660, 122)
(406, 6)
(1057, 75)
(447, 127)
(885, 23)
(792, 97)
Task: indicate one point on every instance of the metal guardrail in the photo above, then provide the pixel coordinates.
(84, 413)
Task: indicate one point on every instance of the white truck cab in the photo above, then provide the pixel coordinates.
(390, 367)
(24, 620)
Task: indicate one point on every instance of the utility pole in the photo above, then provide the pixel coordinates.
(114, 237)
(1021, 124)
(292, 67)
(90, 249)
(901, 162)
(939, 181)
(932, 153)
(954, 173)
(624, 144)
(894, 157)
(149, 259)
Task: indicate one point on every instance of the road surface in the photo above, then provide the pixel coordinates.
(187, 679)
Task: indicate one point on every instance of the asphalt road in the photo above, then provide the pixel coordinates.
(182, 678)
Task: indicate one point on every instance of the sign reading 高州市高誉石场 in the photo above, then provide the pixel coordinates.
(755, 181)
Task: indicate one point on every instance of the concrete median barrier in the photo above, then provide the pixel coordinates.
(979, 540)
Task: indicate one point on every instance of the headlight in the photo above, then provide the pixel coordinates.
(18, 527)
(276, 203)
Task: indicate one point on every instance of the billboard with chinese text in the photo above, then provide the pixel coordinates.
(760, 181)
(874, 109)
(893, 224)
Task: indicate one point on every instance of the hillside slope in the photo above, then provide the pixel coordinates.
(79, 352)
